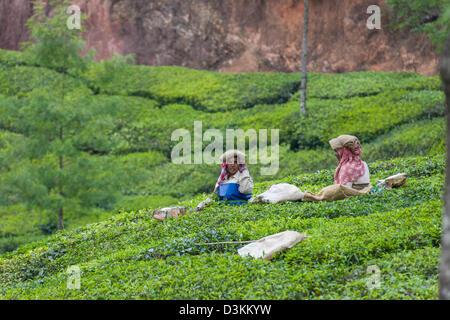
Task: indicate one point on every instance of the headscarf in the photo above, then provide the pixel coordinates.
(227, 155)
(350, 166)
(224, 171)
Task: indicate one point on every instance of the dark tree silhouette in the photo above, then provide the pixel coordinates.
(444, 273)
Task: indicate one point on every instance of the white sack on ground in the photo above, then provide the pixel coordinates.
(166, 213)
(266, 247)
(394, 181)
(279, 193)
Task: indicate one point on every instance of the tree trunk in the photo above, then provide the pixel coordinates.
(61, 167)
(304, 56)
(61, 160)
(60, 219)
(444, 272)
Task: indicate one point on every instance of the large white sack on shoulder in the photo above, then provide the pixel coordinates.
(281, 192)
(266, 247)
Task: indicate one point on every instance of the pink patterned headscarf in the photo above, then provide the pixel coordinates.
(350, 166)
(224, 172)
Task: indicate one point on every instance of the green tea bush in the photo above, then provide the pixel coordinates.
(151, 128)
(20, 80)
(185, 181)
(415, 139)
(406, 275)
(12, 58)
(126, 133)
(142, 160)
(204, 90)
(131, 255)
(136, 203)
(352, 84)
(365, 117)
(17, 220)
(11, 243)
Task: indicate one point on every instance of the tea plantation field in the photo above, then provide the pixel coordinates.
(133, 256)
(124, 253)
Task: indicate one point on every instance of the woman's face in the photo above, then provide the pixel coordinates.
(232, 168)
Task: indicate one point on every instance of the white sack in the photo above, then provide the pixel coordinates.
(166, 213)
(266, 247)
(394, 181)
(279, 193)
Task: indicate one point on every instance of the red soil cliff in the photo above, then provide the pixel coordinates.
(240, 35)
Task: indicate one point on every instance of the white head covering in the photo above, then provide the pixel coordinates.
(230, 154)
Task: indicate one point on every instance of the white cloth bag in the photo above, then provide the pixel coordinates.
(394, 181)
(266, 247)
(279, 193)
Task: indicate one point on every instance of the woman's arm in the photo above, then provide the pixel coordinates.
(245, 183)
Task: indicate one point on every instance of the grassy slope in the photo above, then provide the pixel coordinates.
(131, 255)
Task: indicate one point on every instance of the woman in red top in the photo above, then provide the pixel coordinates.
(351, 170)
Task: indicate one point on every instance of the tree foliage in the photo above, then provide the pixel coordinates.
(429, 16)
(50, 164)
(53, 45)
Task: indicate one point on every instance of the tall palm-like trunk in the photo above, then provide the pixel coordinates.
(304, 56)
(444, 273)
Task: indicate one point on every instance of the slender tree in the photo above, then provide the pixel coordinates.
(52, 169)
(444, 274)
(304, 56)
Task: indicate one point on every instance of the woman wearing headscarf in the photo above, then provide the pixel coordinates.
(351, 170)
(234, 182)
